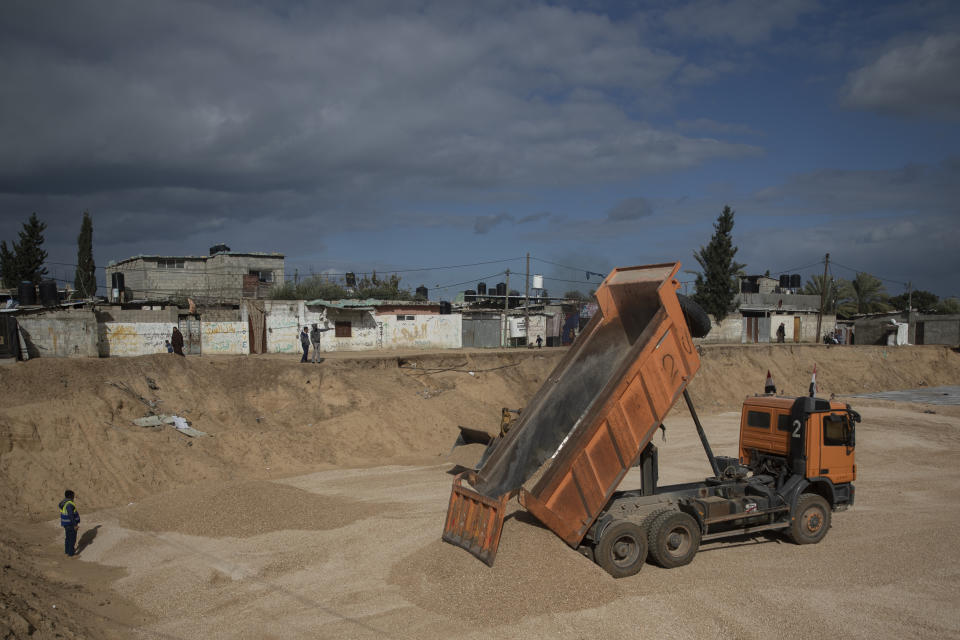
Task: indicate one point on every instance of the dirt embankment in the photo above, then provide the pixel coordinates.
(66, 422)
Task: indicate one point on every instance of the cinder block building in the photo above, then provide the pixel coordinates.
(221, 276)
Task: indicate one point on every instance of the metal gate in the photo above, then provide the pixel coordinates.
(481, 330)
(756, 329)
(190, 328)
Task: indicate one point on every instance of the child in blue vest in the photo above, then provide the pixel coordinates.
(70, 521)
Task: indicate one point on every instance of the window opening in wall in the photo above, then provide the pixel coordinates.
(169, 263)
(399, 317)
(342, 329)
(262, 276)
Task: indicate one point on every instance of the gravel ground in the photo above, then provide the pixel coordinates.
(356, 553)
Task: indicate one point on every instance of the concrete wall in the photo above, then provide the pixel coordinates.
(424, 331)
(727, 332)
(874, 330)
(366, 332)
(284, 320)
(224, 337)
(133, 338)
(940, 329)
(731, 330)
(808, 326)
(61, 333)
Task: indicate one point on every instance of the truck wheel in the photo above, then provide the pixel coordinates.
(674, 539)
(811, 521)
(697, 319)
(622, 549)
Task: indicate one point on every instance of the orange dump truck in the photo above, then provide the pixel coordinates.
(593, 420)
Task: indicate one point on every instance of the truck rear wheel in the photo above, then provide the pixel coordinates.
(811, 521)
(674, 539)
(622, 549)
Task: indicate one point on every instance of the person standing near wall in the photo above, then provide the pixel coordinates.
(315, 334)
(70, 521)
(305, 343)
(177, 341)
(539, 342)
(781, 333)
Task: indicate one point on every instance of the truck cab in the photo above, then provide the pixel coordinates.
(813, 438)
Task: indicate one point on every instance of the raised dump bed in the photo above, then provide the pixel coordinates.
(590, 419)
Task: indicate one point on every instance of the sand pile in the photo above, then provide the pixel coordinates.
(66, 422)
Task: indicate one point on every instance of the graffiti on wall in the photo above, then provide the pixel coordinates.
(224, 337)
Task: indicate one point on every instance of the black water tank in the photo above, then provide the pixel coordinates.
(26, 293)
(469, 295)
(445, 308)
(48, 293)
(422, 293)
(351, 278)
(795, 281)
(784, 281)
(219, 248)
(482, 288)
(501, 288)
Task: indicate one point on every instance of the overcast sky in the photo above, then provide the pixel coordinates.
(399, 135)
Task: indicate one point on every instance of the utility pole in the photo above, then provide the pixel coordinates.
(506, 307)
(823, 295)
(526, 302)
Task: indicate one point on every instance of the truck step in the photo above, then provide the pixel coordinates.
(740, 532)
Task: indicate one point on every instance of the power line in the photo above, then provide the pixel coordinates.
(874, 275)
(457, 284)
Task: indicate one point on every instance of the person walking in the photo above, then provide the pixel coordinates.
(177, 341)
(315, 334)
(539, 342)
(305, 343)
(70, 521)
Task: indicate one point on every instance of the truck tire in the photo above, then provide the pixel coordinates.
(622, 549)
(811, 520)
(697, 319)
(674, 539)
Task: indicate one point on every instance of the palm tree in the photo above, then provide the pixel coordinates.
(865, 294)
(835, 286)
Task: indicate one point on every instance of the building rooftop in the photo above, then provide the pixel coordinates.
(250, 254)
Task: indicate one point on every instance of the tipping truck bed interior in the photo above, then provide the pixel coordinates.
(593, 420)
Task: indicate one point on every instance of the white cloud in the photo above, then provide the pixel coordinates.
(914, 79)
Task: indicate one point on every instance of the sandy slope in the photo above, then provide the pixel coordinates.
(199, 538)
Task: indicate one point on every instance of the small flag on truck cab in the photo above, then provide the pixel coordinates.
(813, 381)
(769, 387)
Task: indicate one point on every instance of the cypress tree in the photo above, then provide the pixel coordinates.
(717, 284)
(30, 257)
(85, 281)
(9, 269)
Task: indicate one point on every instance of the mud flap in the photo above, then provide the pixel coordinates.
(474, 521)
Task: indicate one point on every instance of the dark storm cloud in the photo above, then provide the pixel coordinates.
(125, 96)
(535, 217)
(630, 209)
(483, 224)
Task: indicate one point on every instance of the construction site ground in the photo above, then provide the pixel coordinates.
(314, 508)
